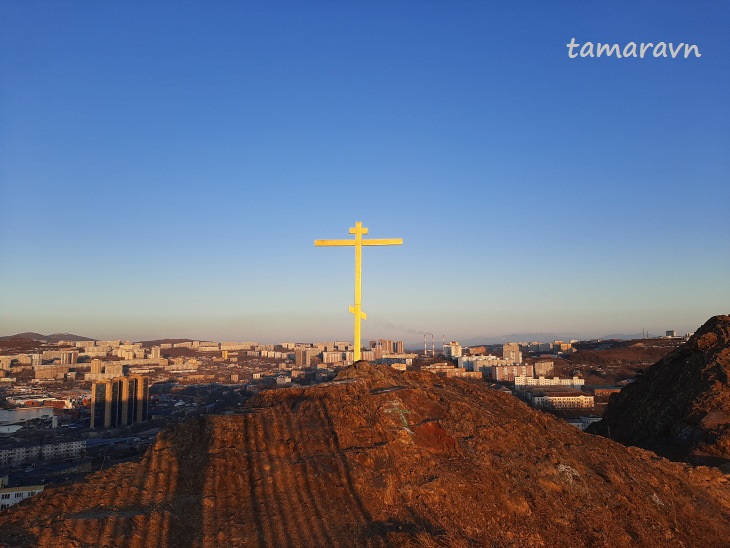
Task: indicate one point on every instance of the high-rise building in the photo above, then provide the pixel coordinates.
(69, 357)
(387, 346)
(302, 357)
(453, 350)
(511, 353)
(120, 401)
(507, 373)
(383, 347)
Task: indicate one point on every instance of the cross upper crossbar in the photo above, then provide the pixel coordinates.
(374, 241)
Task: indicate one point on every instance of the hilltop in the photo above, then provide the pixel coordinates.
(382, 458)
(680, 406)
(32, 342)
(52, 338)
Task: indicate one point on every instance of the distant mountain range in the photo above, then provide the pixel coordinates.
(157, 342)
(546, 337)
(55, 337)
(474, 341)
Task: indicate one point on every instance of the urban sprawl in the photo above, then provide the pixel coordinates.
(71, 407)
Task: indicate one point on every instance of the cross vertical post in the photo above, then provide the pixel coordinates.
(358, 230)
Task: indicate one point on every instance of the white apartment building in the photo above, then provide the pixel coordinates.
(453, 350)
(523, 382)
(331, 357)
(560, 398)
(51, 451)
(584, 422)
(209, 347)
(238, 345)
(477, 363)
(13, 495)
(537, 346)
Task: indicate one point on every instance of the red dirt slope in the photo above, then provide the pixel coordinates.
(382, 458)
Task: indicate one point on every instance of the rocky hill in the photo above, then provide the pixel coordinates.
(680, 406)
(382, 458)
(625, 353)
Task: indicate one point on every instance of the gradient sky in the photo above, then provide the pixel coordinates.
(166, 166)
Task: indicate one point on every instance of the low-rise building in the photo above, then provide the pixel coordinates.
(479, 363)
(13, 495)
(390, 359)
(476, 350)
(524, 382)
(508, 373)
(604, 390)
(463, 374)
(583, 422)
(563, 347)
(331, 357)
(238, 345)
(559, 398)
(448, 370)
(209, 347)
(438, 367)
(58, 372)
(49, 451)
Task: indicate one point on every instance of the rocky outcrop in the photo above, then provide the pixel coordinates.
(382, 458)
(680, 406)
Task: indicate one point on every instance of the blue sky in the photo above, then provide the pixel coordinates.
(166, 166)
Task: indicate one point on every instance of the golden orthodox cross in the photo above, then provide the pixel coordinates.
(358, 242)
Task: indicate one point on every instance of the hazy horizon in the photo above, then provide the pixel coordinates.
(412, 340)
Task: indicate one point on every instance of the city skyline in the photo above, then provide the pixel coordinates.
(167, 167)
(412, 341)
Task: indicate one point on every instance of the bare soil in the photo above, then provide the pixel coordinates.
(382, 458)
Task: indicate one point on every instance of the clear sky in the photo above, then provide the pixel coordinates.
(166, 166)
